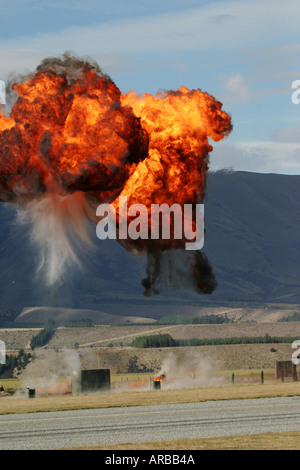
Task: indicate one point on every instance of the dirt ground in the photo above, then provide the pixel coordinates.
(115, 336)
(113, 344)
(208, 358)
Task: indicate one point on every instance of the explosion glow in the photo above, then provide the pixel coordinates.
(72, 141)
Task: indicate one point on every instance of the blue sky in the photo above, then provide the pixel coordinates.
(245, 53)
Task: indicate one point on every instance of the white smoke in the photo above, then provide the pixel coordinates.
(49, 367)
(189, 370)
(60, 229)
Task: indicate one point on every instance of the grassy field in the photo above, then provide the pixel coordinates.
(20, 404)
(142, 381)
(10, 384)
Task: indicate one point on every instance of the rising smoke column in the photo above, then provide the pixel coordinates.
(72, 141)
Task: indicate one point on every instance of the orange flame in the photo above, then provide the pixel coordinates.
(63, 387)
(179, 124)
(63, 137)
(160, 378)
(72, 131)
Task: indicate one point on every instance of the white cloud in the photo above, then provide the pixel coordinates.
(238, 90)
(290, 135)
(258, 156)
(227, 24)
(18, 61)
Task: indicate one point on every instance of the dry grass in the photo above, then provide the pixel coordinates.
(268, 441)
(123, 335)
(10, 384)
(101, 336)
(106, 400)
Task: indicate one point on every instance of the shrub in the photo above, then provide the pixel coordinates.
(160, 341)
(154, 341)
(43, 337)
(20, 362)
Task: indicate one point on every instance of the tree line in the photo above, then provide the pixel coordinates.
(166, 340)
(44, 336)
(12, 362)
(185, 319)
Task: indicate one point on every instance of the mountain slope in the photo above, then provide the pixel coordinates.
(251, 239)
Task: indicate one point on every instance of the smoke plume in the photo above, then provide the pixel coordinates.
(191, 370)
(46, 371)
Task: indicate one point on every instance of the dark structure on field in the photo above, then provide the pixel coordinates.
(286, 370)
(91, 381)
(156, 385)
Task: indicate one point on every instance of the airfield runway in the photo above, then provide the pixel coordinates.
(79, 428)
